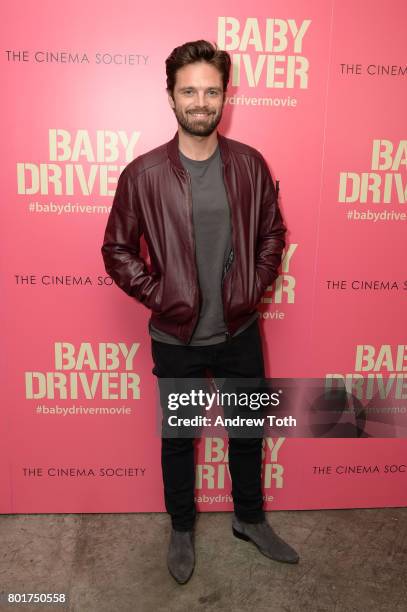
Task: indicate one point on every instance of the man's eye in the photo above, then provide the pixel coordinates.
(213, 92)
(188, 92)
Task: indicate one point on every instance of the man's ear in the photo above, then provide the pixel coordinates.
(171, 100)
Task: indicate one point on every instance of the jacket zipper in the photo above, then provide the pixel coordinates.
(231, 255)
(226, 269)
(194, 254)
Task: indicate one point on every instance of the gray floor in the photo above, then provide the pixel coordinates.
(351, 560)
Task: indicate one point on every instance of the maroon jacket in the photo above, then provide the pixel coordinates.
(154, 199)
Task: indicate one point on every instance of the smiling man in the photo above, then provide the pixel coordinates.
(208, 210)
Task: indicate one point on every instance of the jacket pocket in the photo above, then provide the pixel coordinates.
(258, 290)
(243, 295)
(154, 299)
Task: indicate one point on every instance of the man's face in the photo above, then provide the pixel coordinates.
(198, 98)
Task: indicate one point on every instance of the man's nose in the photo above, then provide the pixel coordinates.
(200, 99)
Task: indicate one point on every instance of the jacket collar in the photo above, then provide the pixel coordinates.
(172, 150)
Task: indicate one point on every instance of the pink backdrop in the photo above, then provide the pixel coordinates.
(319, 89)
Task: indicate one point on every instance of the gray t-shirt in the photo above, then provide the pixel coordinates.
(213, 242)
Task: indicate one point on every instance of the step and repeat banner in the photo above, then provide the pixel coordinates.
(319, 88)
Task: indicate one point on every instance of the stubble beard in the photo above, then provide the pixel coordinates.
(198, 126)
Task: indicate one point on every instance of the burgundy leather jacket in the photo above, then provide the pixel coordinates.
(154, 199)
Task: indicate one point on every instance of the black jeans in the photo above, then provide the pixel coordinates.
(241, 356)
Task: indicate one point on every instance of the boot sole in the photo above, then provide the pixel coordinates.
(243, 536)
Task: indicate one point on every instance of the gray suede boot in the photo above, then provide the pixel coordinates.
(266, 540)
(181, 555)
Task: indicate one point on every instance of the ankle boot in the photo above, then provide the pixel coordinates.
(181, 555)
(266, 540)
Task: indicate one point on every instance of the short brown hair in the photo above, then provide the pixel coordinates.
(197, 51)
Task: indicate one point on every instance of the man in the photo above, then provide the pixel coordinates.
(207, 207)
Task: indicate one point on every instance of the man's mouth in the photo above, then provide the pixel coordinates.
(198, 114)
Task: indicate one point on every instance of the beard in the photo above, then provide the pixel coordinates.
(198, 126)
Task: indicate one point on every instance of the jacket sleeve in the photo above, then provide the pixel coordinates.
(121, 245)
(271, 235)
